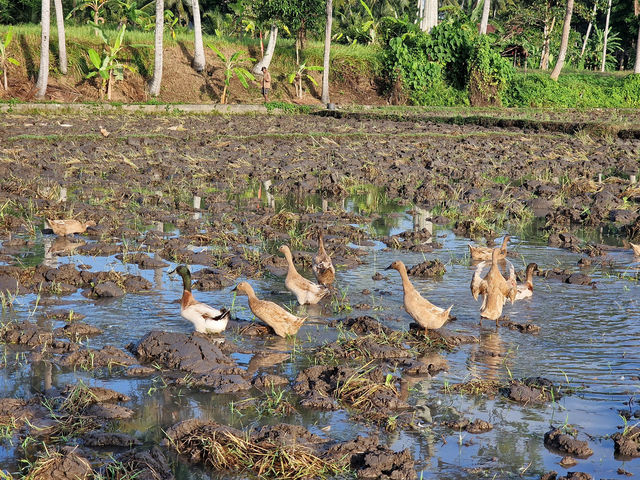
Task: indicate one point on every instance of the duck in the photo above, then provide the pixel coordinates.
(525, 290)
(282, 322)
(69, 227)
(494, 287)
(428, 315)
(204, 318)
(305, 290)
(484, 253)
(322, 265)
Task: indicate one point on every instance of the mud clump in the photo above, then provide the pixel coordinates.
(144, 465)
(363, 325)
(25, 333)
(555, 439)
(475, 426)
(428, 269)
(109, 439)
(534, 390)
(61, 465)
(77, 331)
(194, 354)
(369, 459)
(520, 327)
(627, 444)
(89, 358)
(369, 391)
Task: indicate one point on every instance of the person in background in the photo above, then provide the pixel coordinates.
(266, 83)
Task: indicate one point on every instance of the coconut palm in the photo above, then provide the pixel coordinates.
(566, 28)
(198, 55)
(327, 51)
(154, 86)
(43, 74)
(62, 44)
(486, 7)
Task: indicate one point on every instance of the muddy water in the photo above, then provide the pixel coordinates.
(589, 338)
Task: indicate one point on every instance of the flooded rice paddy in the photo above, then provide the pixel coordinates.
(587, 345)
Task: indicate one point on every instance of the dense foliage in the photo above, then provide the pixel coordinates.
(451, 65)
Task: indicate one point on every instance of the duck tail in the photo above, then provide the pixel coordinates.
(446, 312)
(224, 314)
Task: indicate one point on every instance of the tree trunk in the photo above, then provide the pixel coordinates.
(636, 69)
(43, 74)
(485, 17)
(327, 53)
(154, 87)
(62, 43)
(586, 36)
(199, 61)
(566, 28)
(271, 46)
(544, 58)
(606, 37)
(428, 11)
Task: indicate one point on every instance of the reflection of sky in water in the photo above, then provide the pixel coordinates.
(589, 336)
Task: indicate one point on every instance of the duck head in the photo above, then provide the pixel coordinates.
(184, 272)
(243, 288)
(397, 265)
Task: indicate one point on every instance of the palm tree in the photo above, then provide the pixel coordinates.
(327, 52)
(606, 37)
(199, 61)
(485, 17)
(636, 10)
(154, 86)
(62, 44)
(428, 14)
(268, 54)
(566, 28)
(43, 74)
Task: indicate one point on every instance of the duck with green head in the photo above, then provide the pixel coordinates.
(204, 318)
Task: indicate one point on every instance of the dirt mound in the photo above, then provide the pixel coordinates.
(627, 443)
(428, 269)
(555, 439)
(363, 325)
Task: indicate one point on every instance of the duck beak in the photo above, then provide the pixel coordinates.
(235, 289)
(390, 267)
(172, 271)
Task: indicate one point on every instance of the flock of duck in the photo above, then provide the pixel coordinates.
(492, 286)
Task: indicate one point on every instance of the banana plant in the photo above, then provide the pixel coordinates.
(300, 74)
(5, 58)
(108, 67)
(233, 65)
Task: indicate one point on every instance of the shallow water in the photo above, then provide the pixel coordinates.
(589, 338)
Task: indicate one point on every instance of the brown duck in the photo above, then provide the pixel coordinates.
(484, 253)
(305, 290)
(322, 265)
(69, 227)
(429, 316)
(494, 287)
(282, 322)
(525, 290)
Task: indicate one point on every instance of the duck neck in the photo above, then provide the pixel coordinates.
(529, 279)
(292, 268)
(186, 281)
(321, 249)
(504, 244)
(406, 284)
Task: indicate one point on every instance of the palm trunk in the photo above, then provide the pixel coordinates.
(636, 69)
(62, 43)
(606, 37)
(43, 74)
(485, 17)
(586, 36)
(199, 61)
(428, 11)
(4, 77)
(327, 52)
(271, 46)
(566, 28)
(156, 80)
(546, 46)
